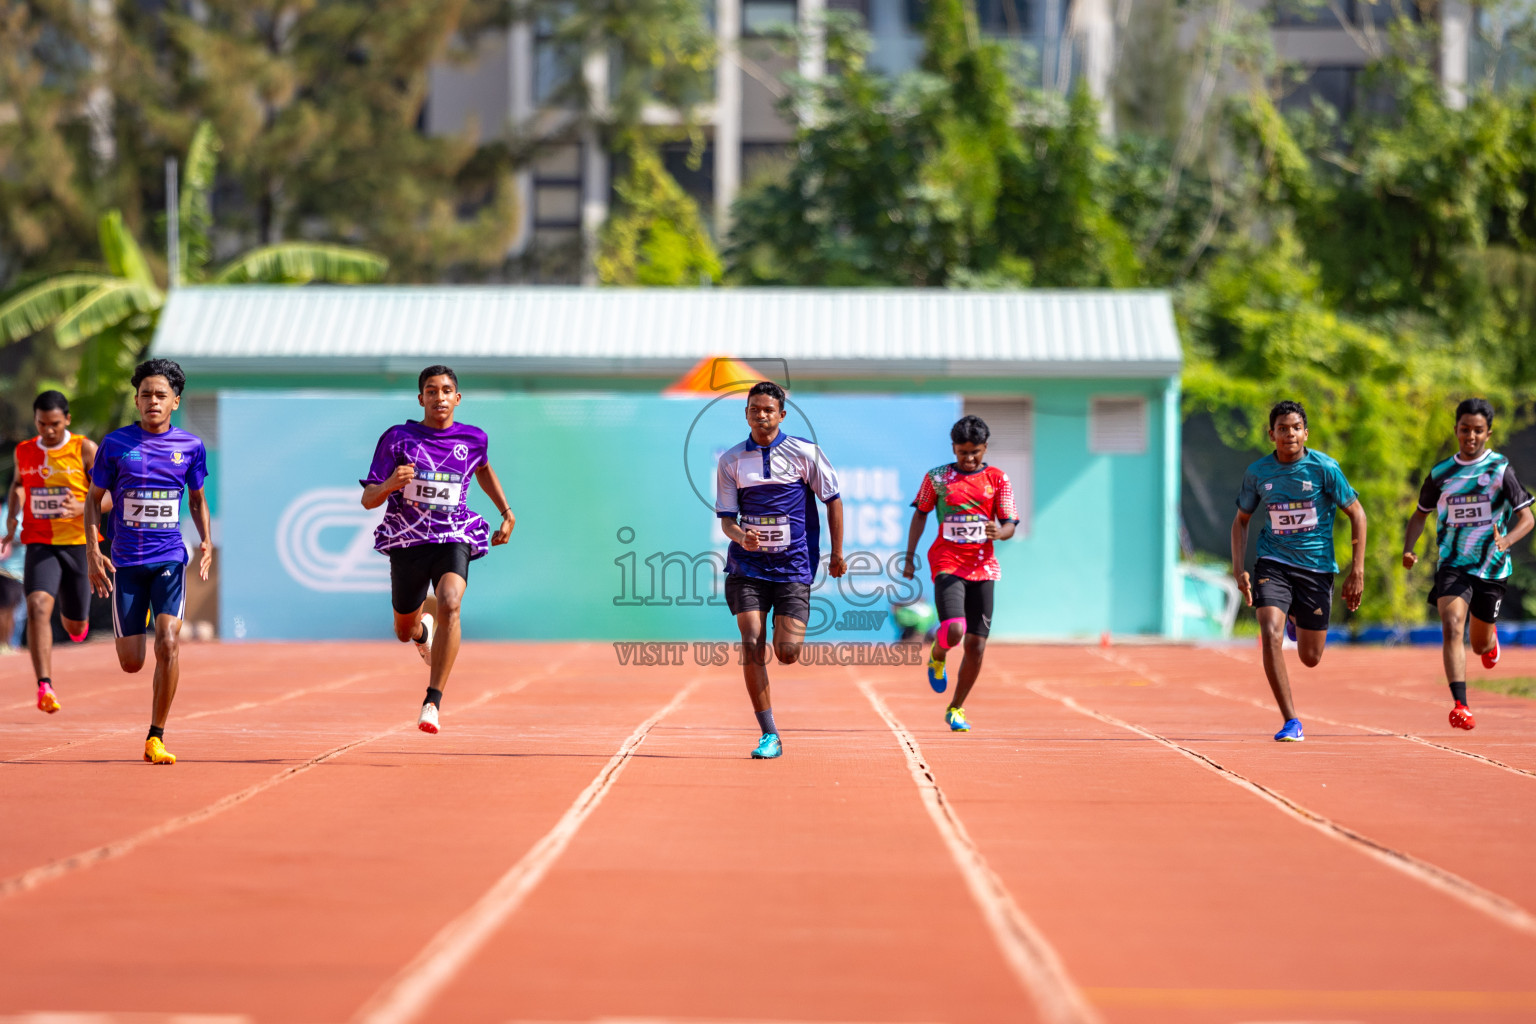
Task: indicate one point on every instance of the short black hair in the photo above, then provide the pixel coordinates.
(769, 388)
(49, 401)
(1285, 408)
(1475, 407)
(439, 370)
(970, 430)
(167, 368)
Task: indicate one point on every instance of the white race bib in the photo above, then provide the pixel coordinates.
(153, 509)
(48, 502)
(964, 529)
(772, 532)
(437, 491)
(1468, 510)
(1292, 517)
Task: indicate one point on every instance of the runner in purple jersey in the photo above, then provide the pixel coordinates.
(147, 467)
(421, 472)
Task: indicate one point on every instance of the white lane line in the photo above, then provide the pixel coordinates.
(98, 1017)
(1470, 894)
(53, 870)
(407, 995)
(194, 716)
(29, 704)
(1033, 960)
(1374, 729)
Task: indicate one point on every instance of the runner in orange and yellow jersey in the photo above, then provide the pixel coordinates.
(47, 494)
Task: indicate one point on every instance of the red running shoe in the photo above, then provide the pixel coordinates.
(1492, 657)
(1461, 717)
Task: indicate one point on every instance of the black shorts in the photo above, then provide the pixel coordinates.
(413, 569)
(58, 570)
(971, 600)
(10, 596)
(750, 594)
(1305, 596)
(1485, 596)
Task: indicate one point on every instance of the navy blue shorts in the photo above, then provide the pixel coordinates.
(142, 593)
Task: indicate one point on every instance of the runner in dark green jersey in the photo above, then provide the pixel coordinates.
(1299, 491)
(1474, 494)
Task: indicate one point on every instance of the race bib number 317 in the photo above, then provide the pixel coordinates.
(1292, 517)
(152, 509)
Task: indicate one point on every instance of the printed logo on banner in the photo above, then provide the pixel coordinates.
(325, 542)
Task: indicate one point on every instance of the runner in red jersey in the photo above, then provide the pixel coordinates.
(975, 506)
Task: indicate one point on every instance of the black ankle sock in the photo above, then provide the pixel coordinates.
(155, 733)
(434, 697)
(45, 679)
(423, 637)
(1459, 691)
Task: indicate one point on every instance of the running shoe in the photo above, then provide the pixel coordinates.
(1461, 717)
(1290, 629)
(938, 674)
(427, 720)
(155, 752)
(424, 647)
(955, 719)
(1290, 732)
(46, 699)
(1492, 657)
(768, 747)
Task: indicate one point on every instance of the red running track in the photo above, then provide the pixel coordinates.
(1117, 840)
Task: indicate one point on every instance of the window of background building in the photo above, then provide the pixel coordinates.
(767, 17)
(555, 63)
(557, 189)
(1334, 85)
(1006, 17)
(1117, 425)
(1011, 447)
(1318, 14)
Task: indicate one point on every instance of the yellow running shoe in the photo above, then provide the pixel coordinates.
(155, 752)
(46, 699)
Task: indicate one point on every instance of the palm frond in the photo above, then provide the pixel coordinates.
(104, 307)
(196, 211)
(35, 308)
(122, 250)
(301, 262)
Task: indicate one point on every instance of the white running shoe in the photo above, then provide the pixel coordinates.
(424, 648)
(428, 720)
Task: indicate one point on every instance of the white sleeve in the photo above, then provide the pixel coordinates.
(821, 476)
(726, 501)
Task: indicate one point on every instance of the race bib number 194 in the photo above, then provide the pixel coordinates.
(152, 509)
(1292, 517)
(436, 491)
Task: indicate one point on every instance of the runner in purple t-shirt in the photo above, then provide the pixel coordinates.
(421, 474)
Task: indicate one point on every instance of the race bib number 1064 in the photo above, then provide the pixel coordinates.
(48, 502)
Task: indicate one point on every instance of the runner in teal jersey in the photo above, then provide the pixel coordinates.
(1300, 491)
(1474, 494)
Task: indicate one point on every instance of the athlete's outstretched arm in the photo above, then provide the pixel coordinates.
(198, 503)
(1354, 583)
(491, 485)
(836, 566)
(14, 496)
(374, 494)
(1240, 553)
(98, 566)
(914, 534)
(1411, 534)
(1523, 524)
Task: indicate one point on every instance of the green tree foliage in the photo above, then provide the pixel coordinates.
(657, 236)
(954, 174)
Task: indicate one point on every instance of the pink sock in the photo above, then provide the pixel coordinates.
(83, 634)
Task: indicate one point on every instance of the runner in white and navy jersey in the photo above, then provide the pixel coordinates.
(1481, 512)
(766, 492)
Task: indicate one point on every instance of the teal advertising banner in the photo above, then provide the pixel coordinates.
(616, 535)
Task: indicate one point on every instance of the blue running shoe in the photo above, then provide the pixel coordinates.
(769, 746)
(1291, 732)
(1290, 629)
(938, 674)
(955, 719)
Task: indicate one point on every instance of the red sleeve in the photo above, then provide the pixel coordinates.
(1006, 511)
(927, 497)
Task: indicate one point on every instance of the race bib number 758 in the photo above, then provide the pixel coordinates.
(152, 509)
